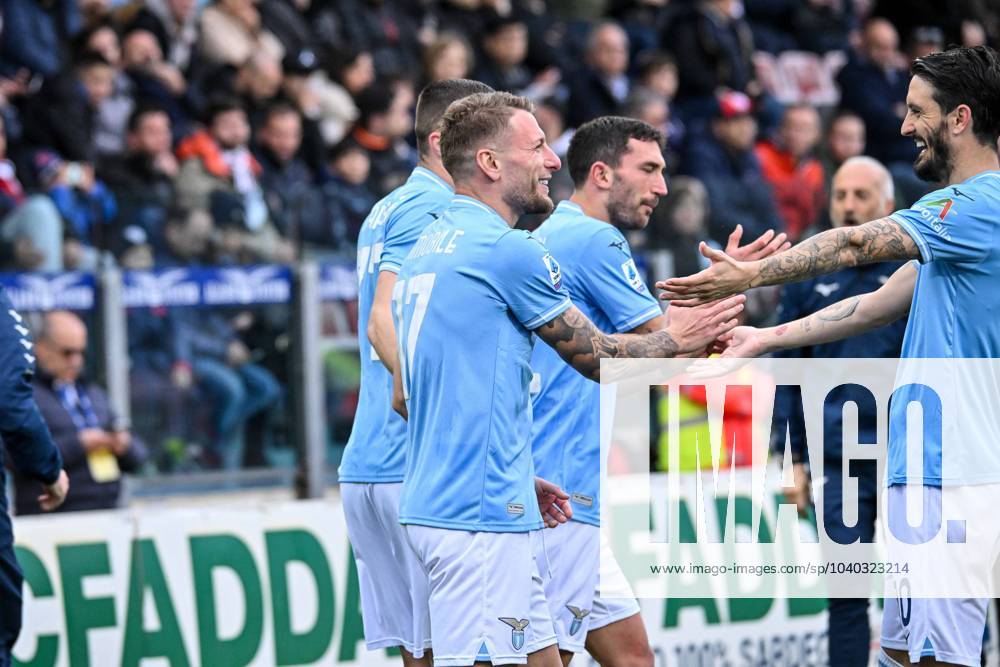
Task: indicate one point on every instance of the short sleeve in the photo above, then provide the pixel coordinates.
(949, 225)
(615, 283)
(403, 228)
(528, 279)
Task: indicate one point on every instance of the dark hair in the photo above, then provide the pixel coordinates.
(373, 101)
(220, 105)
(279, 108)
(472, 122)
(80, 46)
(89, 59)
(135, 118)
(435, 99)
(651, 60)
(969, 76)
(605, 139)
(343, 147)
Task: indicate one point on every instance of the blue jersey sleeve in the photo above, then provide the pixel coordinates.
(403, 228)
(25, 435)
(615, 281)
(949, 225)
(528, 279)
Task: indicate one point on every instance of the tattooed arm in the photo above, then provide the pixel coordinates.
(582, 345)
(832, 250)
(850, 317)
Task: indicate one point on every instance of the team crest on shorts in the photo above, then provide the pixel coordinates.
(517, 634)
(578, 616)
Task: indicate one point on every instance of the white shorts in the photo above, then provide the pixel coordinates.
(568, 557)
(393, 585)
(947, 628)
(615, 599)
(486, 597)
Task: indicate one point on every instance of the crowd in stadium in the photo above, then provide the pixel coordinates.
(285, 120)
(172, 133)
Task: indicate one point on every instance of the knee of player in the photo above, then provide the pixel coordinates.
(636, 656)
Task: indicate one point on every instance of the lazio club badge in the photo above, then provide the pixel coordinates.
(517, 634)
(578, 616)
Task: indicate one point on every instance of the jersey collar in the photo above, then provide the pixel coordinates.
(464, 201)
(424, 173)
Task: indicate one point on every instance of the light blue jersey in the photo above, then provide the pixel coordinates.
(955, 314)
(468, 297)
(376, 451)
(603, 282)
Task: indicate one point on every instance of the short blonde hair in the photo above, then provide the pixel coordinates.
(475, 122)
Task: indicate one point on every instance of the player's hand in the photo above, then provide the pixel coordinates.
(693, 329)
(745, 342)
(764, 246)
(553, 503)
(54, 494)
(798, 493)
(726, 276)
(398, 399)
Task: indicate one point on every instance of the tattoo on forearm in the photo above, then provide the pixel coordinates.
(582, 345)
(828, 251)
(840, 310)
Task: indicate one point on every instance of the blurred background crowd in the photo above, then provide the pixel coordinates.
(181, 133)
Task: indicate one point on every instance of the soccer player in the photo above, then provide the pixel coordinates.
(469, 297)
(862, 190)
(951, 296)
(393, 586)
(617, 169)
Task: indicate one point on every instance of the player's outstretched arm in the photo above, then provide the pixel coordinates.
(582, 345)
(832, 250)
(381, 332)
(849, 317)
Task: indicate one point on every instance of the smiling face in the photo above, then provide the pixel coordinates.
(637, 186)
(526, 165)
(926, 124)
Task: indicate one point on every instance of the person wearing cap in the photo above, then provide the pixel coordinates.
(305, 86)
(725, 162)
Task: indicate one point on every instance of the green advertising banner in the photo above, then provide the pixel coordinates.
(275, 584)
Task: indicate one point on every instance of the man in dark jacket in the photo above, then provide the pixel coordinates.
(27, 440)
(725, 162)
(862, 191)
(601, 86)
(95, 444)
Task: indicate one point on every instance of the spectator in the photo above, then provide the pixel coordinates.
(63, 115)
(386, 29)
(142, 179)
(31, 228)
(255, 83)
(448, 57)
(873, 84)
(294, 200)
(348, 74)
(114, 110)
(85, 204)
(601, 86)
(924, 41)
(50, 26)
(217, 160)
(845, 138)
(174, 24)
(502, 62)
(383, 123)
(714, 51)
(95, 443)
(304, 87)
(208, 351)
(796, 177)
(348, 199)
(725, 162)
(156, 82)
(657, 72)
(231, 34)
(680, 223)
(649, 106)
